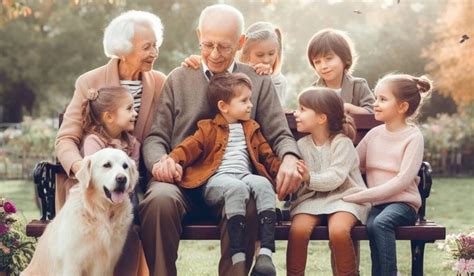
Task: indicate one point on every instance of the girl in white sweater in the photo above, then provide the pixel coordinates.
(330, 171)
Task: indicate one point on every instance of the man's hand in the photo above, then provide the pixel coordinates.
(288, 179)
(167, 170)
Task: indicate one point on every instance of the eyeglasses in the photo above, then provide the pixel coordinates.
(208, 47)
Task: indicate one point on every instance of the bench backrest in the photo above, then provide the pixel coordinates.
(45, 180)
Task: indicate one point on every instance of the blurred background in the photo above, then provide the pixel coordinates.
(45, 45)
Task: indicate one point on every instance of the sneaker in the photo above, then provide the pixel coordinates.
(263, 266)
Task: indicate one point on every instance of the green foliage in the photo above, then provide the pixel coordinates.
(16, 249)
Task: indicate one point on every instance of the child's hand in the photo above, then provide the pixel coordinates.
(193, 61)
(262, 69)
(303, 170)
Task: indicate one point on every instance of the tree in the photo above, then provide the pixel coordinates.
(452, 62)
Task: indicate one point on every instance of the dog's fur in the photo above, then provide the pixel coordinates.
(88, 234)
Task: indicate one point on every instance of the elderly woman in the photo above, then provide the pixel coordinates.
(131, 42)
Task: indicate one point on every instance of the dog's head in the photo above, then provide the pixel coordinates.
(109, 171)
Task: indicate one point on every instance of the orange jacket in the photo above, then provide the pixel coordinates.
(201, 154)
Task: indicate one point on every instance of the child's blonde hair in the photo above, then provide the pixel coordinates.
(337, 41)
(406, 88)
(324, 100)
(260, 31)
(105, 99)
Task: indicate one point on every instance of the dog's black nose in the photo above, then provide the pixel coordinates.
(121, 181)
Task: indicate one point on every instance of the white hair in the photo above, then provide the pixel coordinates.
(119, 33)
(219, 8)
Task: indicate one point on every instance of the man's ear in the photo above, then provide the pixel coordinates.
(84, 173)
(198, 32)
(222, 106)
(241, 41)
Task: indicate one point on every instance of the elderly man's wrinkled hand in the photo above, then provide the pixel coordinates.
(166, 170)
(288, 179)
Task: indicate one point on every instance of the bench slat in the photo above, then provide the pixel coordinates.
(423, 231)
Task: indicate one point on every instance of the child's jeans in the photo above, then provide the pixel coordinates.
(381, 224)
(235, 191)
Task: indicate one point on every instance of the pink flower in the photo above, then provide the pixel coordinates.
(464, 266)
(9, 207)
(5, 249)
(3, 229)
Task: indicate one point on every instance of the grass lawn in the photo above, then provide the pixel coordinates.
(450, 204)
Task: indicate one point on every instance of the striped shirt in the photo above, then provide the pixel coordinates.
(136, 88)
(236, 157)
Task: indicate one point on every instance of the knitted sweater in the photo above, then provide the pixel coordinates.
(391, 161)
(334, 173)
(183, 102)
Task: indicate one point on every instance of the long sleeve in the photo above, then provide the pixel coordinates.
(409, 167)
(362, 152)
(158, 141)
(364, 95)
(271, 117)
(70, 133)
(190, 149)
(92, 144)
(342, 157)
(267, 157)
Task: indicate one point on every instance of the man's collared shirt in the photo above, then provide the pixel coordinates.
(209, 74)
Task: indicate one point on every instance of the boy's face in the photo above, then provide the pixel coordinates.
(329, 67)
(240, 107)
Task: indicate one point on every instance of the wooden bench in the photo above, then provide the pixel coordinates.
(198, 228)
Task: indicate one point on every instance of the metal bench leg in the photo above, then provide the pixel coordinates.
(417, 255)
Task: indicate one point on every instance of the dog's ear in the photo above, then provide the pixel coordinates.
(84, 173)
(133, 173)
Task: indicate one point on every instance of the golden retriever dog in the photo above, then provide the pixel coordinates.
(88, 234)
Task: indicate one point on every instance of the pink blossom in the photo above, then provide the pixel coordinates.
(3, 229)
(9, 207)
(464, 266)
(5, 249)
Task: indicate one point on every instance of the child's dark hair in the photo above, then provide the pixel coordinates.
(406, 88)
(326, 101)
(339, 42)
(222, 87)
(106, 99)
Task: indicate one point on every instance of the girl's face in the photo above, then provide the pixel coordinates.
(330, 68)
(308, 120)
(386, 106)
(125, 116)
(263, 51)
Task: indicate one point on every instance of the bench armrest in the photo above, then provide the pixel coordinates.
(44, 177)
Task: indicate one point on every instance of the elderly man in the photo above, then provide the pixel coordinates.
(183, 102)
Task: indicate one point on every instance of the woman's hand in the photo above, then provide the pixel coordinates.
(262, 69)
(193, 61)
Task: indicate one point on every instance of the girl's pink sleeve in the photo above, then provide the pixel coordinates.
(92, 144)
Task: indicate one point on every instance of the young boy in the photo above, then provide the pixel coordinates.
(222, 155)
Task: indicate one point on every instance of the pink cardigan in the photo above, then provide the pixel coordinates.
(70, 134)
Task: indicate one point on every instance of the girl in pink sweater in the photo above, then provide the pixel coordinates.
(109, 117)
(391, 155)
